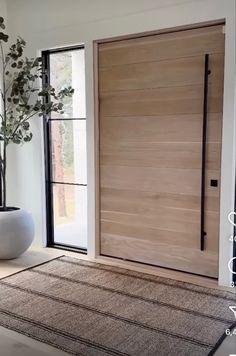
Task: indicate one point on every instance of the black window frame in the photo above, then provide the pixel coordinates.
(48, 155)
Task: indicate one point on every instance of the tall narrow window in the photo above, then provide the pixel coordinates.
(65, 134)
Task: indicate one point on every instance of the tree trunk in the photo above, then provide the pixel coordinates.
(59, 169)
(4, 122)
(3, 184)
(4, 171)
(1, 178)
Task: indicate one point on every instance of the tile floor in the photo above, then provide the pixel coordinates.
(32, 257)
(13, 343)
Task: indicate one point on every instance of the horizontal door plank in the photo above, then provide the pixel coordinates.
(149, 233)
(175, 72)
(132, 201)
(169, 180)
(162, 101)
(160, 47)
(185, 259)
(119, 131)
(169, 219)
(185, 155)
(166, 236)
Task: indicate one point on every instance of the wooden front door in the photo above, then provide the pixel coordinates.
(151, 110)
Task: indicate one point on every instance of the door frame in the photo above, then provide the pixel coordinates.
(97, 133)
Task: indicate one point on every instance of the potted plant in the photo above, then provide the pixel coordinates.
(21, 99)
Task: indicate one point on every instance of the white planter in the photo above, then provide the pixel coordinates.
(16, 233)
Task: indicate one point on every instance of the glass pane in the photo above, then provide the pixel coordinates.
(70, 215)
(67, 68)
(68, 139)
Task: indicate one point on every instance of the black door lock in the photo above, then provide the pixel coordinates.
(214, 183)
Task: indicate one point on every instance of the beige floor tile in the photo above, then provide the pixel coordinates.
(30, 258)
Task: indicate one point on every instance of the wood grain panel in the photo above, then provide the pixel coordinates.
(148, 233)
(131, 200)
(165, 154)
(152, 179)
(164, 128)
(160, 47)
(185, 259)
(180, 221)
(175, 72)
(150, 125)
(162, 101)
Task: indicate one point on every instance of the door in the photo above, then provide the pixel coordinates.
(159, 155)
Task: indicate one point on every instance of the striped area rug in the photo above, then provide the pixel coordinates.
(90, 309)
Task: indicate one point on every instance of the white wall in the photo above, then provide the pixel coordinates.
(47, 24)
(3, 8)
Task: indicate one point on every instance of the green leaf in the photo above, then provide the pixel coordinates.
(28, 138)
(3, 37)
(2, 23)
(26, 125)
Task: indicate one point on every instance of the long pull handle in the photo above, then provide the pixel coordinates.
(204, 147)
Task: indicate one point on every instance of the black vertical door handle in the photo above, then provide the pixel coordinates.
(207, 72)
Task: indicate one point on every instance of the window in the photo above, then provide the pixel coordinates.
(65, 140)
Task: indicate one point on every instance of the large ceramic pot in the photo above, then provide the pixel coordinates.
(16, 232)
